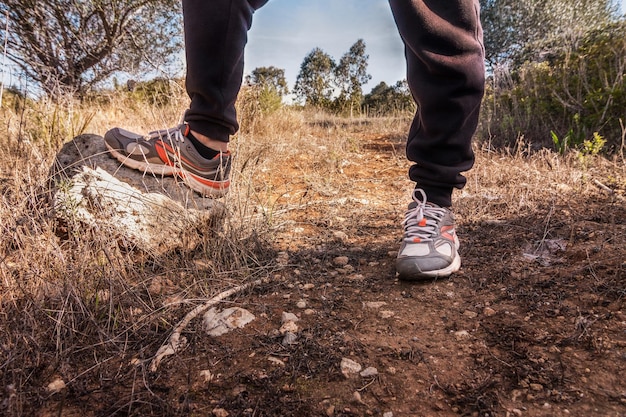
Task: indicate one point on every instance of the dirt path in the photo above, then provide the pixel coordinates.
(533, 325)
(526, 328)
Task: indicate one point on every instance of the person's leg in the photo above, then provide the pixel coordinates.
(446, 75)
(197, 151)
(445, 72)
(215, 37)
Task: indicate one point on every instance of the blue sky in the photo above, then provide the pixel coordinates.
(285, 31)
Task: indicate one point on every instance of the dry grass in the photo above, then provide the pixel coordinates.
(70, 296)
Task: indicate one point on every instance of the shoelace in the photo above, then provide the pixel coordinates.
(175, 133)
(420, 222)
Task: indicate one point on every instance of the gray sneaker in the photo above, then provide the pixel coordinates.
(430, 245)
(169, 152)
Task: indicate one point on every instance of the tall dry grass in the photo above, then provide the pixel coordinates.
(73, 301)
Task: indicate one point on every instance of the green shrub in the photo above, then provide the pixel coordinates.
(564, 100)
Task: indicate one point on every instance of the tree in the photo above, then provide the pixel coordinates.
(270, 86)
(517, 31)
(315, 81)
(71, 45)
(385, 99)
(351, 74)
(271, 78)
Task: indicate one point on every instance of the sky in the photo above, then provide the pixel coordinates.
(284, 31)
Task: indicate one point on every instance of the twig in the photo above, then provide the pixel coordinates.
(174, 342)
(604, 187)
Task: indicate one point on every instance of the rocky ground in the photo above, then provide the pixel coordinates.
(534, 324)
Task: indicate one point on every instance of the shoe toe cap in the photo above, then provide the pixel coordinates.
(118, 138)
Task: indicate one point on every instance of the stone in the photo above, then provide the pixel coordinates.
(369, 372)
(220, 412)
(218, 323)
(285, 317)
(374, 304)
(461, 334)
(289, 339)
(207, 375)
(56, 386)
(289, 326)
(386, 314)
(150, 213)
(350, 368)
(489, 312)
(341, 261)
(470, 314)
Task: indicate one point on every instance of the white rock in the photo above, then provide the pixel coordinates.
(374, 304)
(386, 314)
(207, 375)
(301, 304)
(289, 326)
(56, 386)
(461, 334)
(217, 324)
(388, 414)
(288, 317)
(369, 372)
(276, 361)
(220, 412)
(151, 213)
(488, 311)
(350, 368)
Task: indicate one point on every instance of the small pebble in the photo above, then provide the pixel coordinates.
(341, 261)
(207, 375)
(489, 312)
(289, 326)
(388, 414)
(289, 339)
(220, 412)
(356, 397)
(349, 367)
(470, 314)
(301, 304)
(374, 304)
(308, 286)
(386, 314)
(56, 386)
(289, 317)
(461, 334)
(369, 372)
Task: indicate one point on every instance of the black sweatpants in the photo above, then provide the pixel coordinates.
(445, 72)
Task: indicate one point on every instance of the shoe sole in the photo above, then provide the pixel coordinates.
(204, 187)
(408, 271)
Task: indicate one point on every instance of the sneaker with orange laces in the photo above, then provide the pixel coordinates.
(170, 152)
(430, 244)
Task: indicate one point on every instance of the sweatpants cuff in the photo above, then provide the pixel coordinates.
(437, 195)
(211, 130)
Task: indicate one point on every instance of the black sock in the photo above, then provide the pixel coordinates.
(202, 149)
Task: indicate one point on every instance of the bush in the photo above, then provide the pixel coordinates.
(573, 95)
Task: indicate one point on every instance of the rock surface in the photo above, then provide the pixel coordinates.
(148, 212)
